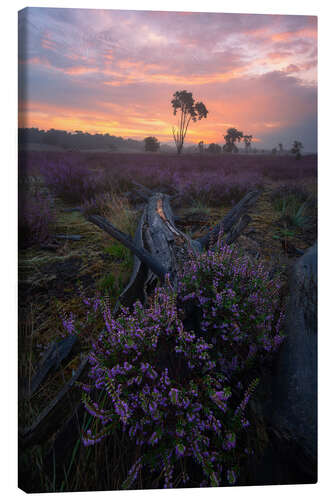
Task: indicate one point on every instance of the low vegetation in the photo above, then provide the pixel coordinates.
(168, 402)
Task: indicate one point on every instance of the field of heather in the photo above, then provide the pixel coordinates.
(71, 274)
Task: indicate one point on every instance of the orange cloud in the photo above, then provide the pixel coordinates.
(289, 35)
(279, 56)
(80, 70)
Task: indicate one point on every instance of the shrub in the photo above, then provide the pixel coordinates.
(177, 377)
(73, 181)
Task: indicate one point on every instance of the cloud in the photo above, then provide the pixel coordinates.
(120, 69)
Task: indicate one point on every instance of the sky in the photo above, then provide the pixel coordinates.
(113, 71)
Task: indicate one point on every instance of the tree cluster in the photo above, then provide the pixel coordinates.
(76, 140)
(232, 136)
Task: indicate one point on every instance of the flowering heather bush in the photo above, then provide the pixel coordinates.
(73, 181)
(177, 377)
(208, 179)
(216, 188)
(35, 218)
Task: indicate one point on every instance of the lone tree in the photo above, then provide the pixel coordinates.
(230, 138)
(189, 110)
(296, 149)
(247, 140)
(151, 144)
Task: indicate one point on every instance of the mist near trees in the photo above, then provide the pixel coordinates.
(76, 140)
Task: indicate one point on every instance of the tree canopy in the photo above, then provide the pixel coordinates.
(296, 149)
(188, 110)
(151, 144)
(233, 135)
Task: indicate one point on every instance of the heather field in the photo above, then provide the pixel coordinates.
(167, 270)
(71, 274)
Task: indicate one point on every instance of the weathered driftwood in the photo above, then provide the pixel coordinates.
(48, 420)
(231, 219)
(160, 248)
(143, 255)
(53, 356)
(160, 236)
(134, 289)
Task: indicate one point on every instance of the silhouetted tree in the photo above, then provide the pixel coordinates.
(230, 138)
(280, 148)
(151, 144)
(296, 149)
(201, 147)
(214, 148)
(274, 151)
(189, 110)
(247, 140)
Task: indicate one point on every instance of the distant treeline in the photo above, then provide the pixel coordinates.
(76, 140)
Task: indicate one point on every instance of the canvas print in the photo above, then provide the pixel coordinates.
(167, 250)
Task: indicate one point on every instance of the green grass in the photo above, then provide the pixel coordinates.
(111, 285)
(120, 253)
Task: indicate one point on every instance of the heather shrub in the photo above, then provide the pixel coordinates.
(98, 205)
(73, 181)
(175, 378)
(36, 217)
(215, 188)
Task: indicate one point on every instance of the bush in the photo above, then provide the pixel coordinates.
(177, 377)
(72, 181)
(35, 218)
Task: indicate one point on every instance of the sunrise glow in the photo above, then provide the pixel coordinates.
(116, 71)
